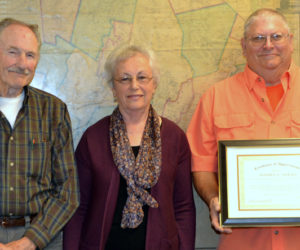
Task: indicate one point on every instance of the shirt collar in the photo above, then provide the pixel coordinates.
(26, 94)
(253, 78)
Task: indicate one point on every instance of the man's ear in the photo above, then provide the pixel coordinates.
(243, 45)
(292, 42)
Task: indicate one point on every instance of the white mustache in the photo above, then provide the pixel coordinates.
(19, 70)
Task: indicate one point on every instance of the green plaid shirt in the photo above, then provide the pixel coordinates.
(38, 172)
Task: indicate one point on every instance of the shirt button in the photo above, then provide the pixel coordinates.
(12, 164)
(11, 214)
(262, 99)
(273, 122)
(276, 232)
(11, 189)
(11, 138)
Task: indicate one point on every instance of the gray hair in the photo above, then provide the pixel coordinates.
(123, 53)
(263, 13)
(33, 27)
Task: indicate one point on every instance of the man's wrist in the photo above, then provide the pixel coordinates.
(29, 243)
(23, 243)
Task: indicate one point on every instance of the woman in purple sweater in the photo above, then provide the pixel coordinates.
(134, 169)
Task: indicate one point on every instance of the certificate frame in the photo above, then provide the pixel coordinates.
(257, 179)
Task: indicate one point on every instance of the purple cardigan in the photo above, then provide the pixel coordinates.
(171, 226)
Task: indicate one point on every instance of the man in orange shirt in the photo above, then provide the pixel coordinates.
(263, 102)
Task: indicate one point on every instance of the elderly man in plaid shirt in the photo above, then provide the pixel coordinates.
(38, 180)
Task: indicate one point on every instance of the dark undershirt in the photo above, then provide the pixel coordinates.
(126, 239)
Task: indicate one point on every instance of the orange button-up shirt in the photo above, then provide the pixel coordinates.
(238, 108)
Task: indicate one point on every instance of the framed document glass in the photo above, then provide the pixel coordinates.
(259, 182)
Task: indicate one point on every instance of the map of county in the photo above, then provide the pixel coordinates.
(197, 43)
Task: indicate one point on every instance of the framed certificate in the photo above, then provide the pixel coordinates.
(259, 182)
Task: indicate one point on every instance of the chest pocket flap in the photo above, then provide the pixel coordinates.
(234, 121)
(234, 126)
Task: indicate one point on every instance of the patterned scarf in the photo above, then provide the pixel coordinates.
(140, 173)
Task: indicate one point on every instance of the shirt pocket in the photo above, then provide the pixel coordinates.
(234, 126)
(39, 153)
(294, 125)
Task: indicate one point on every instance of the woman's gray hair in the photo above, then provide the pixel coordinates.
(33, 27)
(124, 52)
(264, 12)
